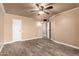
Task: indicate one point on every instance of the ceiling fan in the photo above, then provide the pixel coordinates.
(43, 8)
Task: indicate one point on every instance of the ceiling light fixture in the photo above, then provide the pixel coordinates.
(41, 12)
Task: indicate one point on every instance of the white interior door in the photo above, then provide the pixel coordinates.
(48, 36)
(16, 29)
(44, 28)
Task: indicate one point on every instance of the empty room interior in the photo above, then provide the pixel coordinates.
(39, 29)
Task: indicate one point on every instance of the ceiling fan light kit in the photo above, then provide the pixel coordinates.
(41, 12)
(43, 9)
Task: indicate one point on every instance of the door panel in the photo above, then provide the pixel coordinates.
(16, 29)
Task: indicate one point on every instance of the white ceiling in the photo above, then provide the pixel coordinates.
(22, 8)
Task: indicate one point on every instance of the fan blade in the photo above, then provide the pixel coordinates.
(50, 7)
(37, 5)
(31, 10)
(49, 4)
(46, 12)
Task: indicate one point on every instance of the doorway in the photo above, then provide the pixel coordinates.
(46, 26)
(16, 29)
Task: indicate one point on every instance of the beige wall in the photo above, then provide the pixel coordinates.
(1, 24)
(29, 28)
(65, 27)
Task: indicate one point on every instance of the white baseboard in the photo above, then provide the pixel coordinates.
(66, 44)
(22, 40)
(1, 48)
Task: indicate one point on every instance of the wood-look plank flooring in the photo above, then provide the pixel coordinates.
(37, 47)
